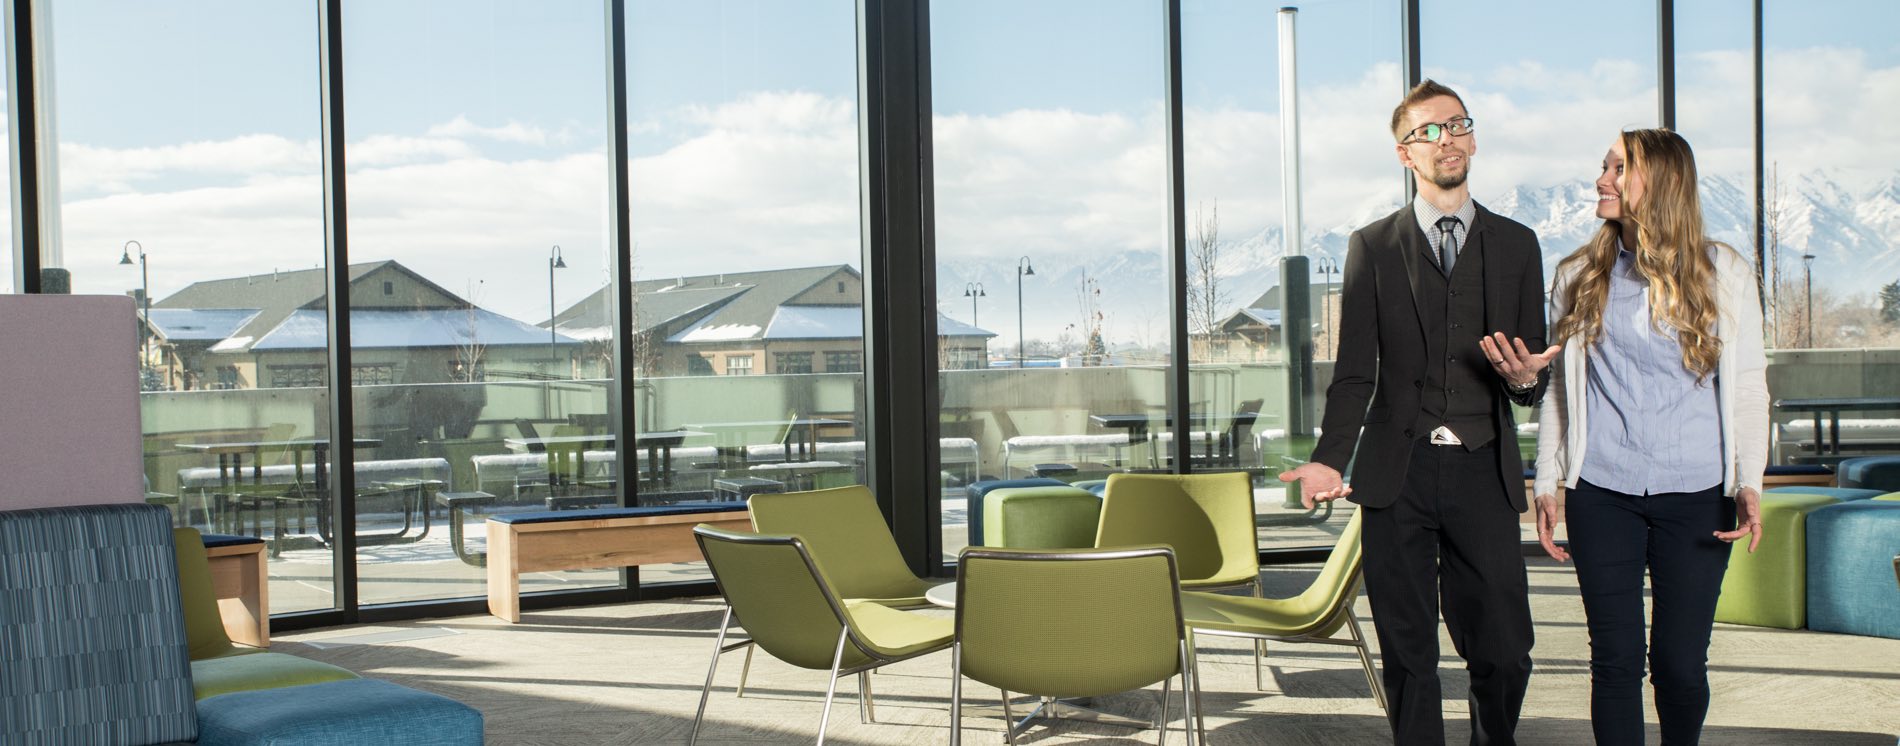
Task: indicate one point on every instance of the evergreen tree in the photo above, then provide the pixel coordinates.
(1890, 302)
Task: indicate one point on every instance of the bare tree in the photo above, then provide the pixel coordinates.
(1206, 298)
(1771, 218)
(471, 353)
(1088, 300)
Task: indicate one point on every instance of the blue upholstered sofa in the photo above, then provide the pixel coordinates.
(94, 649)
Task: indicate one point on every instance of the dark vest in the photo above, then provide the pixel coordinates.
(1459, 383)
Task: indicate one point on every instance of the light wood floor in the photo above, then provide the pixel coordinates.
(631, 674)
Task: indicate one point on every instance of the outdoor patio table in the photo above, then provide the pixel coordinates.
(1833, 406)
(1137, 427)
(231, 465)
(801, 436)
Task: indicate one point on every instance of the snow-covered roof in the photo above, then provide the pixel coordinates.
(816, 322)
(1268, 316)
(200, 324)
(429, 327)
(707, 332)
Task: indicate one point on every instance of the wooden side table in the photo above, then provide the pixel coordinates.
(241, 584)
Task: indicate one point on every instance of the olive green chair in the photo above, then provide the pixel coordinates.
(1313, 616)
(1047, 517)
(846, 534)
(217, 665)
(777, 590)
(1069, 623)
(1207, 518)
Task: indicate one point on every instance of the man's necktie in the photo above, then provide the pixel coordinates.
(1447, 242)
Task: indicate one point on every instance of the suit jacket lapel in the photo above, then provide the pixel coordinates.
(1494, 291)
(1412, 248)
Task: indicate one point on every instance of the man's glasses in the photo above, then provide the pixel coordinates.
(1438, 130)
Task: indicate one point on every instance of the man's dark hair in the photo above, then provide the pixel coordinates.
(1427, 89)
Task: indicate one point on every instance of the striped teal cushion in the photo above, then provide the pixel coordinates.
(92, 637)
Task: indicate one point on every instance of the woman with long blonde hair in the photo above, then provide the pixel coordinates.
(1656, 424)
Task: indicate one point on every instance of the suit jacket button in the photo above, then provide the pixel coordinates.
(1408, 432)
(1418, 384)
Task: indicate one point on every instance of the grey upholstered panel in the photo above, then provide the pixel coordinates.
(92, 635)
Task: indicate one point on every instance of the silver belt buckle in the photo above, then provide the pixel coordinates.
(1443, 436)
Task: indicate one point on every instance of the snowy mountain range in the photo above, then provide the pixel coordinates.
(1853, 234)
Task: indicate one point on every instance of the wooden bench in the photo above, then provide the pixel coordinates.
(593, 540)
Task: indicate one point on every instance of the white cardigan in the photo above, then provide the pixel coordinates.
(1742, 387)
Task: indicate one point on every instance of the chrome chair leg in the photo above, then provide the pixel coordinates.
(1190, 693)
(1365, 657)
(867, 707)
(1259, 647)
(1009, 720)
(1161, 726)
(745, 670)
(1199, 713)
(706, 691)
(831, 688)
(956, 694)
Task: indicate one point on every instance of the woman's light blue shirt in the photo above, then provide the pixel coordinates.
(1653, 427)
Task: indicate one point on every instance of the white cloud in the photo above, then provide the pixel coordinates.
(771, 179)
(85, 169)
(512, 132)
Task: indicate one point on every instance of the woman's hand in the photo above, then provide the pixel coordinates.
(1747, 519)
(1549, 512)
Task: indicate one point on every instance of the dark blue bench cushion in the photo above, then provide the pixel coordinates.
(92, 634)
(229, 540)
(552, 516)
(1799, 470)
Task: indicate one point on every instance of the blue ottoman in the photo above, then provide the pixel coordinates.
(1850, 568)
(337, 713)
(1843, 494)
(973, 499)
(1870, 472)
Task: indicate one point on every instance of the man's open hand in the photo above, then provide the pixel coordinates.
(1318, 483)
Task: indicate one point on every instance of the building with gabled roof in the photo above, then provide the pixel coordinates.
(272, 331)
(798, 320)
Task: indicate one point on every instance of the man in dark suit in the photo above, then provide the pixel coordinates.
(1442, 305)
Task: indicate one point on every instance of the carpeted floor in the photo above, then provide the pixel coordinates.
(631, 674)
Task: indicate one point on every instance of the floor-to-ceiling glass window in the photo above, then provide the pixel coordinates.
(477, 173)
(748, 334)
(1051, 230)
(1831, 206)
(6, 213)
(1547, 106)
(194, 184)
(1241, 393)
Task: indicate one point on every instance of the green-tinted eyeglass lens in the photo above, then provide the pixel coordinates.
(1431, 132)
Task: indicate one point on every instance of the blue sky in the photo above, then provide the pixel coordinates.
(190, 125)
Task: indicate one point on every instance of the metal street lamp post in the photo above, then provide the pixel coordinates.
(1327, 267)
(1023, 268)
(973, 291)
(1807, 274)
(554, 263)
(145, 299)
